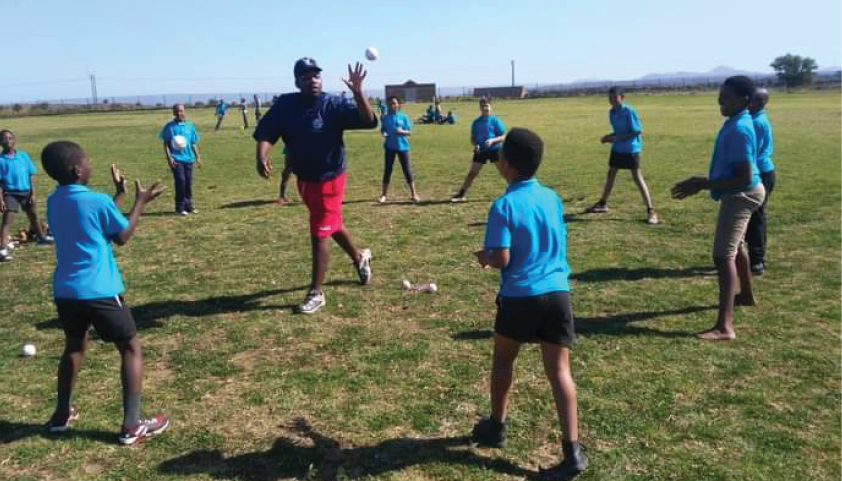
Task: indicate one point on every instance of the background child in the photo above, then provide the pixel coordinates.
(181, 158)
(395, 128)
(734, 181)
(244, 110)
(257, 112)
(87, 284)
(626, 145)
(286, 173)
(17, 189)
(526, 239)
(487, 134)
(221, 109)
(756, 231)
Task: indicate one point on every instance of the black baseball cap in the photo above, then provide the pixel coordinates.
(304, 65)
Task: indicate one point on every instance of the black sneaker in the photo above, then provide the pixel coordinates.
(460, 196)
(489, 433)
(758, 268)
(575, 461)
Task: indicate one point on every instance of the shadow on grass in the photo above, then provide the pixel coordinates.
(247, 203)
(473, 335)
(11, 432)
(147, 315)
(307, 454)
(619, 324)
(640, 273)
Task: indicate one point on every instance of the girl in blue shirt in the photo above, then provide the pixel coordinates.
(735, 182)
(395, 128)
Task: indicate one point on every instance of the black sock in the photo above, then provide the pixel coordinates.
(63, 405)
(131, 410)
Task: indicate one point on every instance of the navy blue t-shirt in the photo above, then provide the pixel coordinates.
(311, 129)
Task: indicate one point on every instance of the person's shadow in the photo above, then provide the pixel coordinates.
(307, 454)
(640, 273)
(623, 324)
(11, 432)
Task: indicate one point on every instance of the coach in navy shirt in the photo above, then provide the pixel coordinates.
(311, 124)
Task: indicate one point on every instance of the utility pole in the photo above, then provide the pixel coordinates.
(513, 73)
(93, 88)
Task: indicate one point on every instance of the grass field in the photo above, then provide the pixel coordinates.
(383, 383)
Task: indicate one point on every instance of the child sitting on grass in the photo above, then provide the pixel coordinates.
(526, 239)
(87, 283)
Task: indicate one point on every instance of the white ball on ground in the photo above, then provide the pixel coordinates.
(406, 284)
(28, 350)
(433, 287)
(371, 53)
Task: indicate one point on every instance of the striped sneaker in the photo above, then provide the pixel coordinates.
(145, 428)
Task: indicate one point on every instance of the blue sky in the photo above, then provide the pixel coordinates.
(191, 46)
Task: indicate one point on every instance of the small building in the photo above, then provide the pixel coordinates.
(501, 92)
(411, 91)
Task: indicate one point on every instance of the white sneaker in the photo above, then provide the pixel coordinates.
(381, 199)
(5, 255)
(313, 302)
(364, 267)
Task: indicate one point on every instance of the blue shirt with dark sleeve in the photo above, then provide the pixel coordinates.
(15, 172)
(624, 121)
(188, 131)
(312, 129)
(736, 144)
(529, 221)
(83, 224)
(765, 141)
(221, 107)
(389, 125)
(487, 127)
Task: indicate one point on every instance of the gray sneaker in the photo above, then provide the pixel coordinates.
(364, 267)
(5, 255)
(314, 301)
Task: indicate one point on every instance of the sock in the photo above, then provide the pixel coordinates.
(63, 405)
(131, 410)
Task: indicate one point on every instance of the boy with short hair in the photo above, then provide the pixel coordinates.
(626, 145)
(487, 134)
(87, 284)
(17, 189)
(180, 138)
(756, 231)
(526, 239)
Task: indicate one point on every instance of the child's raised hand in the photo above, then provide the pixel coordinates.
(118, 179)
(147, 195)
(687, 187)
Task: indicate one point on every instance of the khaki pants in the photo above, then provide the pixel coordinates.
(734, 213)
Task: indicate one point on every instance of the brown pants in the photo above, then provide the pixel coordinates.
(734, 213)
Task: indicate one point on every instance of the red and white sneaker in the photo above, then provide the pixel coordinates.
(59, 423)
(145, 428)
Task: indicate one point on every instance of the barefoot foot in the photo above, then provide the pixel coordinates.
(744, 300)
(716, 335)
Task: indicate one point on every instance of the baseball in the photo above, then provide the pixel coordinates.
(406, 284)
(28, 350)
(433, 287)
(371, 53)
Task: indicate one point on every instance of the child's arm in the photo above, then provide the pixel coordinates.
(2, 202)
(142, 197)
(693, 185)
(196, 153)
(496, 258)
(170, 160)
(119, 185)
(495, 140)
(32, 193)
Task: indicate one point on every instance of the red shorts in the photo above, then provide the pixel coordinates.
(324, 201)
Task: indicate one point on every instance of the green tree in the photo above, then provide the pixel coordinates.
(794, 70)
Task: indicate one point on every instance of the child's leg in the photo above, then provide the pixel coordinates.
(131, 375)
(321, 259)
(68, 370)
(637, 176)
(219, 121)
(746, 295)
(343, 238)
(285, 175)
(32, 212)
(469, 179)
(8, 218)
(502, 371)
(407, 173)
(727, 275)
(188, 187)
(557, 367)
(609, 185)
(388, 164)
(178, 180)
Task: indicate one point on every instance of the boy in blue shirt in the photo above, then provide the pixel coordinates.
(17, 189)
(87, 284)
(756, 231)
(244, 109)
(734, 181)
(395, 128)
(221, 109)
(526, 239)
(626, 145)
(180, 138)
(487, 134)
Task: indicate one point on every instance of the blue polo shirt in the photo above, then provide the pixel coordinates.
(624, 121)
(312, 129)
(83, 224)
(15, 170)
(188, 130)
(736, 143)
(765, 141)
(221, 107)
(487, 127)
(389, 125)
(529, 221)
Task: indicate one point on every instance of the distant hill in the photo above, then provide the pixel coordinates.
(717, 72)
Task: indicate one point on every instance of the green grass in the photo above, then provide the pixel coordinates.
(382, 383)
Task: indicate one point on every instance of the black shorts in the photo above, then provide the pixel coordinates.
(484, 156)
(624, 161)
(545, 318)
(111, 318)
(15, 200)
